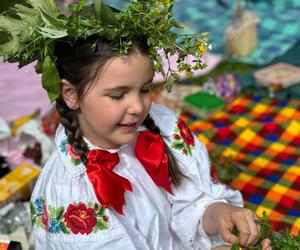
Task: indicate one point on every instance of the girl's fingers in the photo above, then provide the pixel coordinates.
(248, 229)
(226, 233)
(266, 244)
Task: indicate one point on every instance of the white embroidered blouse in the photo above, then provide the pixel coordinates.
(67, 215)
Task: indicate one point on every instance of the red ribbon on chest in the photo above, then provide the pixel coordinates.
(150, 150)
(110, 187)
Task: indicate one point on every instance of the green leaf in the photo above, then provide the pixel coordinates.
(52, 33)
(178, 145)
(51, 210)
(98, 5)
(63, 228)
(32, 208)
(75, 162)
(104, 13)
(90, 204)
(59, 213)
(47, 5)
(14, 27)
(101, 224)
(34, 219)
(176, 76)
(170, 82)
(51, 20)
(52, 97)
(50, 78)
(101, 211)
(29, 15)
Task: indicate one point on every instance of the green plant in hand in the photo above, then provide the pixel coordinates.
(284, 241)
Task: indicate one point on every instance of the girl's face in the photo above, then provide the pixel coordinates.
(118, 101)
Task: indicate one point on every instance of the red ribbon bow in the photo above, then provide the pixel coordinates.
(150, 150)
(108, 186)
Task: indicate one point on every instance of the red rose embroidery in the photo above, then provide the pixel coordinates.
(185, 133)
(80, 219)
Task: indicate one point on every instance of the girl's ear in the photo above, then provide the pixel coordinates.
(69, 94)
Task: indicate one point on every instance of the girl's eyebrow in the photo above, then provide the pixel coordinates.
(125, 87)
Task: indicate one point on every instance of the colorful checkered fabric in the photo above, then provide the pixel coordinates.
(264, 135)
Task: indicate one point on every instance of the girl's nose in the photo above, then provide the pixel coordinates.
(136, 105)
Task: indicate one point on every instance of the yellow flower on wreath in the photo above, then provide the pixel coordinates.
(202, 48)
(165, 3)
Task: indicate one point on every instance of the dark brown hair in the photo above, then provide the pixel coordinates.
(79, 64)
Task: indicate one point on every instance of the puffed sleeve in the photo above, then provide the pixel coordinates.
(198, 189)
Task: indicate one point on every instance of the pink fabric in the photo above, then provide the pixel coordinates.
(21, 92)
(211, 60)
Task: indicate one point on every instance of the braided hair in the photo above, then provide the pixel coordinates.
(175, 174)
(79, 64)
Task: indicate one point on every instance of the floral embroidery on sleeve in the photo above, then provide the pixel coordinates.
(183, 138)
(67, 149)
(76, 218)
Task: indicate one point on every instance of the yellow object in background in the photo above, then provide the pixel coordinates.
(21, 121)
(17, 184)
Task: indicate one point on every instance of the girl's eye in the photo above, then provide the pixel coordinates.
(146, 90)
(117, 97)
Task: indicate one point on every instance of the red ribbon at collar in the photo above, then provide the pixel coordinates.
(150, 150)
(108, 186)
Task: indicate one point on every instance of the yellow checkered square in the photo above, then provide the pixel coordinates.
(203, 139)
(260, 108)
(219, 114)
(247, 135)
(260, 162)
(277, 146)
(294, 170)
(297, 223)
(288, 112)
(280, 189)
(230, 152)
(293, 128)
(241, 122)
(245, 177)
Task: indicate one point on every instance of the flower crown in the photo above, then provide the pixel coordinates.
(30, 31)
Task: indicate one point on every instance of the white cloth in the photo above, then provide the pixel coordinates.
(153, 218)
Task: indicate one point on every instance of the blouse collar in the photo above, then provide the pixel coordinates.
(70, 159)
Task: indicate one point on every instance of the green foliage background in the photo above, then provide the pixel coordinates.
(5, 4)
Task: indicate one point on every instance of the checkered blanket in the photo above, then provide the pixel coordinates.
(278, 30)
(263, 135)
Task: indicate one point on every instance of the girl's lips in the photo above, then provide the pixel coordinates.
(128, 127)
(127, 124)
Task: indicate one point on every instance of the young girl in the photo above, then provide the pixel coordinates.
(127, 173)
(107, 184)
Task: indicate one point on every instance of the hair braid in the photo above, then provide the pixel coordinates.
(175, 174)
(69, 119)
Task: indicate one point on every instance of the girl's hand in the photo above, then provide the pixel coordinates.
(266, 245)
(222, 218)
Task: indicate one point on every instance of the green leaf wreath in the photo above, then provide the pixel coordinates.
(32, 29)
